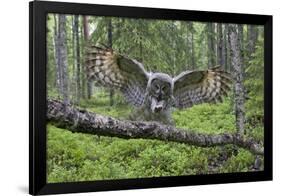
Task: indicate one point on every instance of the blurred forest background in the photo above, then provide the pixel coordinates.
(161, 45)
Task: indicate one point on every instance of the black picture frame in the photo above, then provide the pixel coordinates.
(37, 101)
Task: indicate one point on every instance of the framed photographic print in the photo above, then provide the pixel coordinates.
(130, 97)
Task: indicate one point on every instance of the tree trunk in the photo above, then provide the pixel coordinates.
(78, 60)
(211, 45)
(109, 39)
(241, 43)
(238, 76)
(62, 47)
(140, 31)
(57, 57)
(226, 49)
(190, 46)
(74, 63)
(83, 71)
(192, 49)
(173, 43)
(141, 50)
(252, 37)
(86, 38)
(79, 120)
(220, 57)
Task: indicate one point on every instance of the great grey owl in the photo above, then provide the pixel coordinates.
(154, 94)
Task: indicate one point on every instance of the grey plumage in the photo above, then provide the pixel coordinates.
(154, 94)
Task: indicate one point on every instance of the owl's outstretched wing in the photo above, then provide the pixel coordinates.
(195, 87)
(112, 70)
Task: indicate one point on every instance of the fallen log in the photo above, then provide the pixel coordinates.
(82, 121)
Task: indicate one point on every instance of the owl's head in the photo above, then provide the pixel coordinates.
(159, 91)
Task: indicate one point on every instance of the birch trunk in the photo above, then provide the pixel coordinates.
(236, 65)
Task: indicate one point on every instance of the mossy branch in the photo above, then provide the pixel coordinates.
(82, 121)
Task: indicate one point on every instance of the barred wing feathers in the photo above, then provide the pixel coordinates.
(112, 70)
(195, 87)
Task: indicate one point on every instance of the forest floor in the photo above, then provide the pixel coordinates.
(82, 157)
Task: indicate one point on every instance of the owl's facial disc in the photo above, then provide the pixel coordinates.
(159, 95)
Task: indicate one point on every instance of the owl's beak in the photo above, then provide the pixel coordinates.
(156, 106)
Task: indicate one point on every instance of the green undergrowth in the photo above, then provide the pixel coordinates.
(82, 157)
